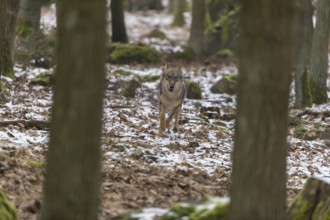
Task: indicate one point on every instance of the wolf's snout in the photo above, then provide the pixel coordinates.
(171, 88)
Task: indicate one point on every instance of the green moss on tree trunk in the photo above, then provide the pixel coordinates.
(319, 92)
(6, 62)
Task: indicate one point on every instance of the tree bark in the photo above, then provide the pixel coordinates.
(118, 22)
(319, 56)
(303, 36)
(30, 14)
(8, 17)
(196, 38)
(71, 188)
(178, 20)
(259, 158)
(312, 202)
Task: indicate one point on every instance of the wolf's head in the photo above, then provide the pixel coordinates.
(172, 78)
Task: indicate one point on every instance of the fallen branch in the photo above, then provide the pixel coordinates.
(27, 123)
(121, 106)
(314, 113)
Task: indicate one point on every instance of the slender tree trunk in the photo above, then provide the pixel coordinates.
(71, 190)
(178, 20)
(319, 58)
(171, 6)
(30, 13)
(196, 38)
(303, 36)
(118, 22)
(259, 158)
(8, 16)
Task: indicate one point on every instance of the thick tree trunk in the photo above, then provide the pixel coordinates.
(8, 17)
(303, 36)
(118, 22)
(313, 202)
(178, 20)
(319, 56)
(259, 158)
(71, 189)
(196, 38)
(30, 13)
(136, 5)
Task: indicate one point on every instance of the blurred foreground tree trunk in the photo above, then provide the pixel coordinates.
(179, 8)
(319, 55)
(8, 17)
(196, 38)
(303, 45)
(118, 22)
(259, 158)
(71, 188)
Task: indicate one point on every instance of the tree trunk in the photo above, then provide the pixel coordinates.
(71, 190)
(30, 13)
(259, 158)
(178, 20)
(196, 38)
(303, 36)
(136, 5)
(171, 6)
(8, 16)
(319, 55)
(118, 22)
(312, 202)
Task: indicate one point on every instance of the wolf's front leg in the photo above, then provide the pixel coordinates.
(162, 125)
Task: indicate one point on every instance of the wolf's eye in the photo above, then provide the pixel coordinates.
(168, 77)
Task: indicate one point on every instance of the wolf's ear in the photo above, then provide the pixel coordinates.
(166, 65)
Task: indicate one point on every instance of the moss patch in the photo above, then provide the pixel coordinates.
(4, 91)
(210, 209)
(194, 90)
(187, 54)
(225, 53)
(7, 210)
(130, 89)
(300, 131)
(227, 84)
(150, 78)
(122, 72)
(183, 209)
(131, 53)
(300, 208)
(156, 33)
(44, 79)
(35, 164)
(24, 30)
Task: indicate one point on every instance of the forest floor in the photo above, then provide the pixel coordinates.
(140, 170)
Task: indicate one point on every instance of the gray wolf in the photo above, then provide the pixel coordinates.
(172, 91)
